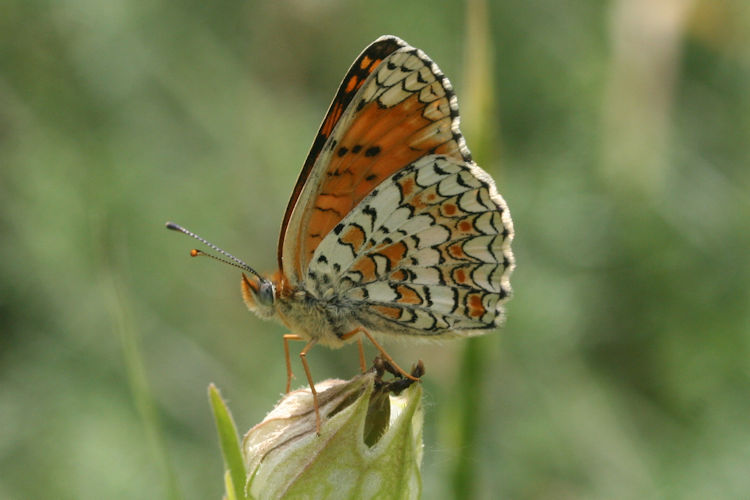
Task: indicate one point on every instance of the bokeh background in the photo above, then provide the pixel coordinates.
(618, 131)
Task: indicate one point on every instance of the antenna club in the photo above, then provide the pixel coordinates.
(195, 252)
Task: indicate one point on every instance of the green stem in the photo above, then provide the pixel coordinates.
(470, 380)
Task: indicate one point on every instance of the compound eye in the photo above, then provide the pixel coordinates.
(266, 293)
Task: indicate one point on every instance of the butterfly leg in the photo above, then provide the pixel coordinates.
(362, 364)
(379, 348)
(289, 373)
(303, 357)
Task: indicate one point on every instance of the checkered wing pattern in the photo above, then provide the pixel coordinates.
(425, 253)
(393, 107)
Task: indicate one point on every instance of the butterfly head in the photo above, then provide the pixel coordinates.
(259, 294)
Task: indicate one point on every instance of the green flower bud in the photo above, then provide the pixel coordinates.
(370, 443)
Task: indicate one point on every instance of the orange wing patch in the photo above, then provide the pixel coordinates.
(399, 275)
(331, 119)
(380, 142)
(407, 295)
(456, 251)
(355, 237)
(407, 186)
(366, 268)
(388, 311)
(475, 306)
(367, 62)
(394, 253)
(352, 84)
(459, 276)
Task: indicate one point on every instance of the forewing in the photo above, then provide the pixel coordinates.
(426, 253)
(393, 107)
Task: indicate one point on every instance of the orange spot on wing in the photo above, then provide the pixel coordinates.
(460, 276)
(394, 253)
(390, 312)
(476, 309)
(407, 186)
(449, 209)
(464, 226)
(365, 62)
(354, 236)
(407, 295)
(417, 202)
(331, 120)
(374, 63)
(399, 275)
(352, 83)
(366, 267)
(456, 251)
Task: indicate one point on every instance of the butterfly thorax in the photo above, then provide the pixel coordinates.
(311, 313)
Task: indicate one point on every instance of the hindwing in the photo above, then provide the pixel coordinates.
(428, 251)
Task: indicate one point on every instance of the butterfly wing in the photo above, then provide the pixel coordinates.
(393, 107)
(426, 253)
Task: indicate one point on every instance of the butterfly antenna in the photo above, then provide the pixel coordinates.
(233, 261)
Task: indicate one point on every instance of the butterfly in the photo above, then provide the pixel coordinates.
(391, 229)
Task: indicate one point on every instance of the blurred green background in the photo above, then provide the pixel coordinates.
(618, 131)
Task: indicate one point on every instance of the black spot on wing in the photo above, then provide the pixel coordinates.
(441, 278)
(461, 182)
(372, 213)
(323, 209)
(506, 262)
(455, 299)
(439, 170)
(490, 244)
